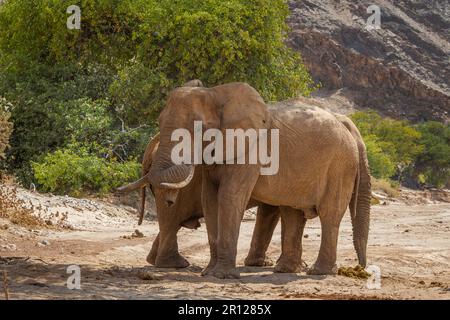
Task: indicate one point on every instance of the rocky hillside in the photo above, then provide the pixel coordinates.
(401, 70)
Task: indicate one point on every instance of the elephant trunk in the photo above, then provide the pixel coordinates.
(360, 206)
(165, 174)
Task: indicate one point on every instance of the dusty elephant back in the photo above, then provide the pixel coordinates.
(314, 147)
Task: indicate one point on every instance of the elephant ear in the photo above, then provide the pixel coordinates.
(149, 154)
(244, 109)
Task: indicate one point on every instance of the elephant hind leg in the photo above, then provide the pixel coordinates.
(331, 211)
(292, 225)
(326, 261)
(266, 220)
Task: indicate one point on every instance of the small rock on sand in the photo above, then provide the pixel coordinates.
(43, 243)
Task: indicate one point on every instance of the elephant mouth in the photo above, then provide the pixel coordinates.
(191, 223)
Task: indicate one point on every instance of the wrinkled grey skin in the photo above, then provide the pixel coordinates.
(323, 170)
(186, 209)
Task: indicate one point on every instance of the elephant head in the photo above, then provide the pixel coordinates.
(229, 106)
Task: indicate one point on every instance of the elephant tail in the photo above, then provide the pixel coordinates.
(146, 164)
(142, 206)
(360, 202)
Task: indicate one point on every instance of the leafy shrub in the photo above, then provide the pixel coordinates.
(108, 81)
(166, 42)
(75, 170)
(215, 41)
(381, 165)
(434, 162)
(5, 126)
(48, 113)
(398, 149)
(392, 143)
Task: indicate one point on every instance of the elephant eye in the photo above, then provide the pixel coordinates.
(169, 203)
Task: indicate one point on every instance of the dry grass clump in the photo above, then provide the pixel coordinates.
(386, 186)
(357, 272)
(16, 211)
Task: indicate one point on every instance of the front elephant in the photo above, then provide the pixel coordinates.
(320, 170)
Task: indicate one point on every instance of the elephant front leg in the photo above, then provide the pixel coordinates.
(168, 255)
(233, 195)
(267, 219)
(292, 225)
(210, 211)
(151, 258)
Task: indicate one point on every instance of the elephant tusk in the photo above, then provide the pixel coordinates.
(181, 184)
(139, 184)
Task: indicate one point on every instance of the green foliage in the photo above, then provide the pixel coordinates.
(108, 81)
(139, 93)
(164, 42)
(75, 170)
(35, 31)
(48, 113)
(434, 161)
(61, 105)
(398, 149)
(215, 41)
(381, 165)
(397, 139)
(6, 126)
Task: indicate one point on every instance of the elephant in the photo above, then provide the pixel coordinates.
(174, 209)
(188, 212)
(322, 171)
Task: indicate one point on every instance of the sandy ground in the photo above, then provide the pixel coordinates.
(409, 243)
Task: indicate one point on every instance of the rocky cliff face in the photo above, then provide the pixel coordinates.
(402, 70)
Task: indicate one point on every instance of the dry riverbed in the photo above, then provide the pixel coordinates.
(409, 243)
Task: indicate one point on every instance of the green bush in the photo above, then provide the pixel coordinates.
(108, 81)
(434, 162)
(155, 45)
(5, 126)
(215, 41)
(75, 170)
(403, 151)
(381, 165)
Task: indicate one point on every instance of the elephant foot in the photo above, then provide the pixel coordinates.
(222, 272)
(258, 262)
(322, 270)
(288, 266)
(208, 268)
(174, 261)
(151, 258)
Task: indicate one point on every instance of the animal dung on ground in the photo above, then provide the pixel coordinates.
(135, 234)
(357, 272)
